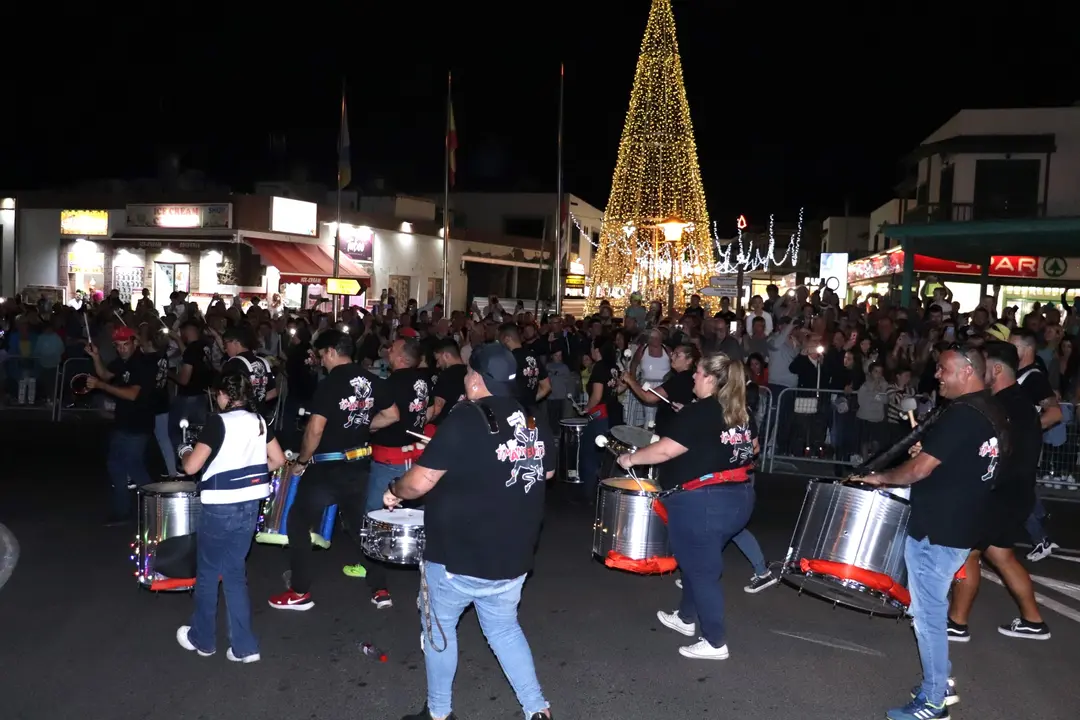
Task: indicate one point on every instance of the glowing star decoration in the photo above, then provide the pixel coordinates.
(741, 222)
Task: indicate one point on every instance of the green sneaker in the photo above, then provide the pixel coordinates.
(355, 571)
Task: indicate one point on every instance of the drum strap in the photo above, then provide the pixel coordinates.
(990, 410)
(598, 412)
(489, 417)
(736, 475)
(351, 455)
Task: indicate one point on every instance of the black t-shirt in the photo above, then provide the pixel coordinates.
(257, 371)
(1035, 383)
(197, 355)
(530, 371)
(408, 389)
(483, 517)
(1016, 481)
(451, 388)
(212, 434)
(302, 370)
(348, 398)
(948, 505)
(159, 368)
(607, 376)
(680, 389)
(134, 416)
(711, 445)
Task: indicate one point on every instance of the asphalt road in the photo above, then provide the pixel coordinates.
(78, 639)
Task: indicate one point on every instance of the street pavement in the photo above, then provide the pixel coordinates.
(78, 639)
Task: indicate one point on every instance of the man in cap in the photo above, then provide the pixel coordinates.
(482, 478)
(129, 379)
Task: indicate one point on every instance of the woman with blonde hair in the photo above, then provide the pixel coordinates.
(706, 459)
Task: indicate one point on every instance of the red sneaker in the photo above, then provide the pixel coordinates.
(290, 600)
(381, 599)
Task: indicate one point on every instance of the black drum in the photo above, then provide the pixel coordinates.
(570, 449)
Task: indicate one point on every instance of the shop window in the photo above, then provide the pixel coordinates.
(434, 288)
(401, 288)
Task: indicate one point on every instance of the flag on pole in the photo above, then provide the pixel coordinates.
(451, 144)
(344, 166)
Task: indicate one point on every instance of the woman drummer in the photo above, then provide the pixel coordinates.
(236, 452)
(677, 389)
(705, 456)
(603, 409)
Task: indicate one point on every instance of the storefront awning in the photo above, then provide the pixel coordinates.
(305, 263)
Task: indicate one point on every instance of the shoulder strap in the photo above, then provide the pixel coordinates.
(1023, 376)
(488, 416)
(993, 413)
(241, 358)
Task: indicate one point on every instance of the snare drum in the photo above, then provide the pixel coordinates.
(271, 528)
(626, 521)
(164, 549)
(394, 536)
(848, 547)
(570, 449)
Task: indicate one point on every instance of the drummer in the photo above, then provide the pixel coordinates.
(449, 389)
(603, 409)
(334, 459)
(677, 389)
(705, 456)
(950, 476)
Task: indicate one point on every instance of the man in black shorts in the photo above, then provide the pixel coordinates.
(1009, 506)
(335, 459)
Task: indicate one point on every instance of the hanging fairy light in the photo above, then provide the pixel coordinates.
(750, 259)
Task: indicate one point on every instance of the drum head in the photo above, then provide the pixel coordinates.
(78, 384)
(401, 516)
(846, 593)
(172, 487)
(632, 436)
(574, 422)
(630, 485)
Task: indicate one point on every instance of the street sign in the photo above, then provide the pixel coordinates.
(1054, 267)
(343, 286)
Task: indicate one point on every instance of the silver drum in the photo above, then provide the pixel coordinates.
(570, 449)
(164, 549)
(394, 536)
(626, 522)
(857, 526)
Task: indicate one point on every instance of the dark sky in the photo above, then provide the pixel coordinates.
(791, 108)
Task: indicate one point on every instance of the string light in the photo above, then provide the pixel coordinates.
(750, 259)
(656, 178)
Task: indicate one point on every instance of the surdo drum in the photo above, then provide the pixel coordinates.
(271, 528)
(626, 521)
(570, 449)
(164, 550)
(848, 547)
(394, 536)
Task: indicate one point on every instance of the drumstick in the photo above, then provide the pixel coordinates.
(119, 317)
(86, 324)
(577, 407)
(659, 395)
(421, 438)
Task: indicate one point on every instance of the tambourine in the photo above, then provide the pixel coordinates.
(80, 384)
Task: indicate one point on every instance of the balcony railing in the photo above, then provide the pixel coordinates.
(963, 212)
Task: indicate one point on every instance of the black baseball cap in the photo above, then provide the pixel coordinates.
(497, 366)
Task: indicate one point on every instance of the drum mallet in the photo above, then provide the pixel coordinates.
(909, 405)
(573, 402)
(648, 388)
(86, 324)
(119, 317)
(422, 438)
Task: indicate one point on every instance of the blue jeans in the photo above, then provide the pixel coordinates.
(930, 572)
(589, 456)
(748, 546)
(192, 407)
(700, 524)
(1036, 523)
(225, 534)
(382, 474)
(496, 607)
(126, 460)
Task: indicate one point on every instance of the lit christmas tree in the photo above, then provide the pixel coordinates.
(655, 236)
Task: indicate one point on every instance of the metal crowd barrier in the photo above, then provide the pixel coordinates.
(1058, 476)
(9, 554)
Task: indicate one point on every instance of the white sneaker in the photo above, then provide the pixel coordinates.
(1041, 551)
(673, 621)
(702, 650)
(185, 642)
(254, 657)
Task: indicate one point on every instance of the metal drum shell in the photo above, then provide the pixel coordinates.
(858, 526)
(272, 528)
(570, 451)
(165, 510)
(626, 522)
(393, 543)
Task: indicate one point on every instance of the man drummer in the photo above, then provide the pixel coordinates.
(951, 478)
(449, 389)
(678, 388)
(1009, 507)
(483, 480)
(393, 449)
(335, 459)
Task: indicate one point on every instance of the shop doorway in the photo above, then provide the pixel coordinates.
(169, 278)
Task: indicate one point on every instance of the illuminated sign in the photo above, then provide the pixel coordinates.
(86, 262)
(577, 267)
(84, 222)
(358, 242)
(575, 281)
(343, 286)
(294, 217)
(892, 263)
(833, 273)
(179, 216)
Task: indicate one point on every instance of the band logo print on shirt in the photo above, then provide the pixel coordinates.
(526, 451)
(742, 443)
(419, 403)
(989, 449)
(531, 372)
(359, 403)
(162, 372)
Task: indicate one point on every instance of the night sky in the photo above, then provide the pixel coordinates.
(790, 108)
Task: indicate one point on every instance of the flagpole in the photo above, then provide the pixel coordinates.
(446, 203)
(335, 308)
(557, 264)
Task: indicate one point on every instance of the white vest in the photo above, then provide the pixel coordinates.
(239, 471)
